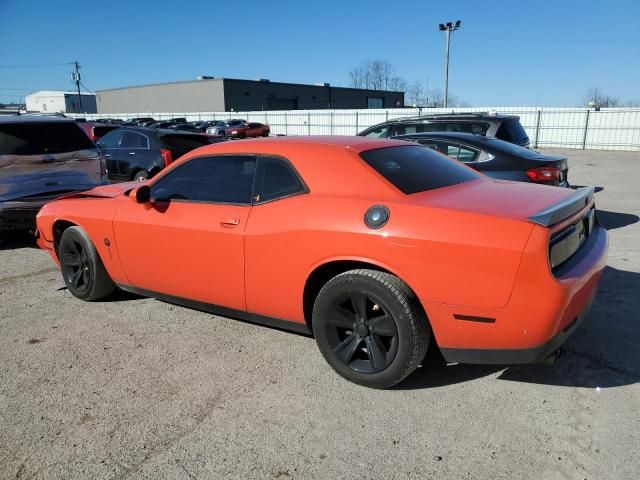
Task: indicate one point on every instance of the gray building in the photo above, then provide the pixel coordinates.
(209, 94)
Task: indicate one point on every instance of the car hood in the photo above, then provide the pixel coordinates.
(105, 191)
(514, 200)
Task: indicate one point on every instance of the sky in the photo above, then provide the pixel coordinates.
(507, 53)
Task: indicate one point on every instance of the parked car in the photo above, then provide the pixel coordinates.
(185, 127)
(139, 121)
(493, 272)
(497, 158)
(110, 121)
(138, 153)
(249, 130)
(41, 158)
(503, 127)
(96, 130)
(201, 125)
(221, 128)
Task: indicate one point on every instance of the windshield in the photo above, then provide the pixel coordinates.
(415, 168)
(42, 138)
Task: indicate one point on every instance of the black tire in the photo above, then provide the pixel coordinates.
(376, 342)
(140, 176)
(82, 269)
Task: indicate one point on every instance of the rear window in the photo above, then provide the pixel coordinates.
(512, 131)
(414, 169)
(42, 138)
(181, 144)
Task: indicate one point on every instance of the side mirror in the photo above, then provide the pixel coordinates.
(141, 194)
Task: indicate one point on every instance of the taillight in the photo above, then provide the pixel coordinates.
(167, 156)
(103, 165)
(544, 174)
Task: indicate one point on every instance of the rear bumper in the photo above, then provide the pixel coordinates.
(542, 313)
(515, 356)
(19, 215)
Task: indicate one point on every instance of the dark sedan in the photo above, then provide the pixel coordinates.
(138, 153)
(497, 158)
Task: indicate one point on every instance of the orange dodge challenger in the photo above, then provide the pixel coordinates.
(374, 246)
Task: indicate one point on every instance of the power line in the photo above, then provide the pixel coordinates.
(47, 65)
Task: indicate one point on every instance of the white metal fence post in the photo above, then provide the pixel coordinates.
(586, 129)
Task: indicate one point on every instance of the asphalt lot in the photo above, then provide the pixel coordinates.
(137, 388)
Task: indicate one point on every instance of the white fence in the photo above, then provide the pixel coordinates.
(605, 129)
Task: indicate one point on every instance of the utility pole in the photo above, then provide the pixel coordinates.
(447, 28)
(76, 78)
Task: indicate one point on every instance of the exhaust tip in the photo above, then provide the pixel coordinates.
(551, 359)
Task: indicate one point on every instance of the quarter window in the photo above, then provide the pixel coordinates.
(276, 178)
(223, 179)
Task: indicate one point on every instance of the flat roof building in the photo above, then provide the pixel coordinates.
(208, 94)
(56, 101)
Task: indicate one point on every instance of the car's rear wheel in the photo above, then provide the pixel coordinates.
(82, 269)
(140, 176)
(370, 327)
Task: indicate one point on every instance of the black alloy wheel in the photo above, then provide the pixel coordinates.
(361, 332)
(370, 327)
(75, 265)
(82, 269)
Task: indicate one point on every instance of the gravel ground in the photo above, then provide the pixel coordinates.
(137, 388)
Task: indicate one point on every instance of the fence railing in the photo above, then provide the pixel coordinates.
(582, 128)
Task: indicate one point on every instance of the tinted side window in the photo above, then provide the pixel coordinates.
(224, 179)
(414, 168)
(276, 179)
(111, 139)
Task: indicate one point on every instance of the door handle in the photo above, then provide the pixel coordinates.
(231, 221)
(132, 153)
(107, 155)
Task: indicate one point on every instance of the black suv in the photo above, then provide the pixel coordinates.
(503, 127)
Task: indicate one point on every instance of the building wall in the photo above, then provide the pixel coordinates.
(179, 97)
(247, 95)
(45, 102)
(237, 95)
(65, 102)
(72, 104)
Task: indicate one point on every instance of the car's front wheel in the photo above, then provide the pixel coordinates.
(370, 327)
(82, 269)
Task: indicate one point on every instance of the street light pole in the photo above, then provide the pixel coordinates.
(447, 28)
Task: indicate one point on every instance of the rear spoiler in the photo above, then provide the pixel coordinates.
(565, 208)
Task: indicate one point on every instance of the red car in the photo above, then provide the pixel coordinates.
(249, 130)
(375, 246)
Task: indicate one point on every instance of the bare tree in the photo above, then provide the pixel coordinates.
(600, 99)
(435, 98)
(376, 75)
(416, 95)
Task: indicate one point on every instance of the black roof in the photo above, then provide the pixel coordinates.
(30, 118)
(455, 116)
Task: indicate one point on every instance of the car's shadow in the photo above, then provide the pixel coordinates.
(613, 220)
(604, 352)
(13, 240)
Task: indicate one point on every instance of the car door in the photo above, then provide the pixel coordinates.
(189, 241)
(109, 147)
(134, 154)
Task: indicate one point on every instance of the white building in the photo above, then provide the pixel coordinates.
(53, 101)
